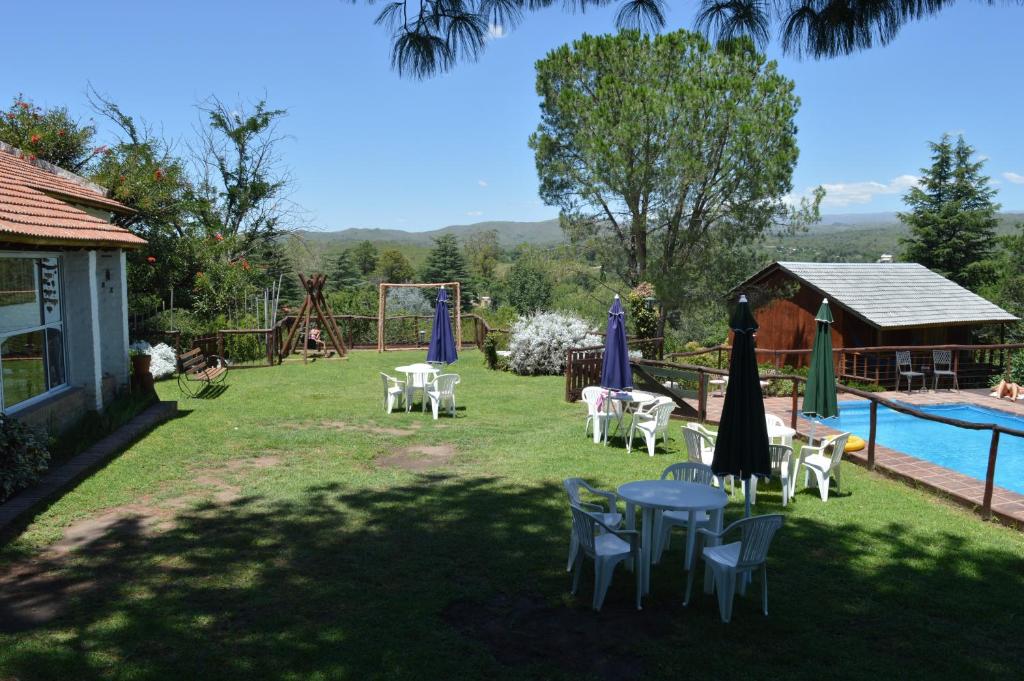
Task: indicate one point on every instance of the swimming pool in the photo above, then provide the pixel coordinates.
(965, 451)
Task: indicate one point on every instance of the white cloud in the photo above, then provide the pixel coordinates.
(842, 194)
(482, 183)
(495, 32)
(474, 213)
(1014, 177)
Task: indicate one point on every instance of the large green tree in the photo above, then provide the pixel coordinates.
(952, 216)
(344, 274)
(432, 36)
(446, 263)
(394, 267)
(364, 254)
(667, 156)
(1006, 287)
(528, 287)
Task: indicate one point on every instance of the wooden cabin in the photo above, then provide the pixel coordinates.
(873, 304)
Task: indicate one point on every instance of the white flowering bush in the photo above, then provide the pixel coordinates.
(539, 342)
(163, 362)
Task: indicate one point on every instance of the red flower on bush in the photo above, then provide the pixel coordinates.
(218, 237)
(61, 133)
(100, 149)
(10, 116)
(35, 138)
(31, 157)
(245, 265)
(23, 105)
(158, 175)
(151, 260)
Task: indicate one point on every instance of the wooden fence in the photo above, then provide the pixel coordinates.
(975, 365)
(702, 374)
(583, 365)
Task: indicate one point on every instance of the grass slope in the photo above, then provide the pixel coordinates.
(260, 536)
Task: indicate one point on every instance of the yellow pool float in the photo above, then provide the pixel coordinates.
(854, 444)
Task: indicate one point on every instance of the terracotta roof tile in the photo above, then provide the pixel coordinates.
(38, 205)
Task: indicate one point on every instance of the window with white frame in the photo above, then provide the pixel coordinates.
(32, 354)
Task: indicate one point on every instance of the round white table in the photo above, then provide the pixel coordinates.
(670, 495)
(417, 376)
(626, 399)
(783, 433)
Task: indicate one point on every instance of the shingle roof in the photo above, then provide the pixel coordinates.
(37, 206)
(896, 295)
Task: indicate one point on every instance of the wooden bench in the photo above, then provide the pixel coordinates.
(197, 371)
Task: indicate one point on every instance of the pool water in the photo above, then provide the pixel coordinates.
(965, 451)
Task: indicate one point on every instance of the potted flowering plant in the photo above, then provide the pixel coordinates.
(141, 378)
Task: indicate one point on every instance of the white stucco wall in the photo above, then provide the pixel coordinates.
(113, 351)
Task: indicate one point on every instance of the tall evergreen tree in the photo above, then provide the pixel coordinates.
(446, 263)
(345, 273)
(953, 217)
(394, 267)
(365, 257)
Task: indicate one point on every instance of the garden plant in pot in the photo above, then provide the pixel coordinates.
(142, 379)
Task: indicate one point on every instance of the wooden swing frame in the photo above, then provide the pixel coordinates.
(382, 310)
(314, 302)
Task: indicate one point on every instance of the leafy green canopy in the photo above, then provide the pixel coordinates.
(669, 157)
(50, 135)
(952, 217)
(445, 263)
(528, 287)
(394, 267)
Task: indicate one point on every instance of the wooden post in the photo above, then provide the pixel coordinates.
(458, 316)
(568, 376)
(381, 309)
(873, 427)
(269, 339)
(220, 344)
(793, 406)
(990, 475)
(702, 397)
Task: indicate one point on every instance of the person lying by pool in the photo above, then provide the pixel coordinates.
(1007, 389)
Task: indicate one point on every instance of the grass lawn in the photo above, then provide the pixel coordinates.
(289, 529)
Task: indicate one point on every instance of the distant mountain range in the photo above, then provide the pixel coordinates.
(549, 232)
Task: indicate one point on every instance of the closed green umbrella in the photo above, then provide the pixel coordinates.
(820, 394)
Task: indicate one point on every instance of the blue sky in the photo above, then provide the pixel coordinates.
(368, 149)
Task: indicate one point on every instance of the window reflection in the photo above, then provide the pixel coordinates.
(19, 294)
(24, 367)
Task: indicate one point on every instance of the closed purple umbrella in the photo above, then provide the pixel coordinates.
(615, 372)
(442, 342)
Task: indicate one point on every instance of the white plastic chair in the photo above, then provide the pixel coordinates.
(394, 391)
(813, 460)
(607, 547)
(611, 517)
(734, 563)
(441, 392)
(700, 447)
(418, 381)
(667, 520)
(905, 368)
(598, 415)
(943, 359)
(773, 421)
(782, 458)
(651, 419)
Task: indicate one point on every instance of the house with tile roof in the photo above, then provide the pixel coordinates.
(873, 304)
(63, 292)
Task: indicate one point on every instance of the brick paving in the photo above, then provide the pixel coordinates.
(1007, 506)
(19, 510)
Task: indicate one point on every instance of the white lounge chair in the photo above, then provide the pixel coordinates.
(441, 392)
(394, 391)
(612, 518)
(824, 467)
(905, 368)
(651, 419)
(607, 547)
(942, 366)
(667, 520)
(733, 563)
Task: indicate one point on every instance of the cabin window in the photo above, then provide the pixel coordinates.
(33, 357)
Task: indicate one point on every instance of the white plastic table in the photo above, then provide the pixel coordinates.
(417, 376)
(626, 399)
(783, 433)
(670, 495)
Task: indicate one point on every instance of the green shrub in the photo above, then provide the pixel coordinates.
(491, 351)
(24, 456)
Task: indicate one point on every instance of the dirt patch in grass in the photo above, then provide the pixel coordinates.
(521, 630)
(394, 431)
(419, 457)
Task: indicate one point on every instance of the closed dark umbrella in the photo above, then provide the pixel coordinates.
(615, 371)
(741, 449)
(442, 342)
(820, 393)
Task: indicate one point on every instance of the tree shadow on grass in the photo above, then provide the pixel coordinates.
(463, 577)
